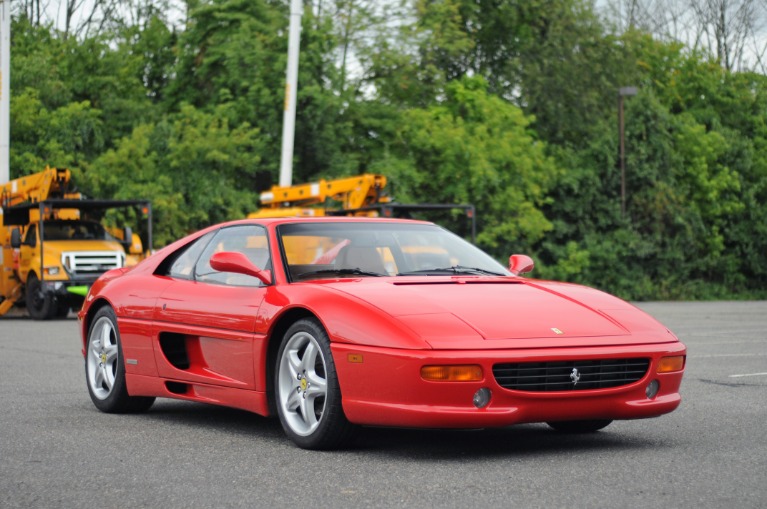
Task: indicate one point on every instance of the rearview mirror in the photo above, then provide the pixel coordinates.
(520, 264)
(231, 261)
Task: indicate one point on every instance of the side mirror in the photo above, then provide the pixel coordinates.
(127, 239)
(15, 238)
(520, 264)
(230, 261)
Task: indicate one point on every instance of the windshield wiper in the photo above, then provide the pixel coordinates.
(455, 269)
(340, 272)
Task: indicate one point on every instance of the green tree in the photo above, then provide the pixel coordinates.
(476, 148)
(68, 136)
(194, 167)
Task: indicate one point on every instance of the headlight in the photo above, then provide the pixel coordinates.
(51, 271)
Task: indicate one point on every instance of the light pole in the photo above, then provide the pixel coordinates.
(5, 90)
(291, 92)
(623, 92)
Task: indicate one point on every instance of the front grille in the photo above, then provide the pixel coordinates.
(92, 263)
(569, 375)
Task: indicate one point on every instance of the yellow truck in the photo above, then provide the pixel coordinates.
(360, 195)
(54, 245)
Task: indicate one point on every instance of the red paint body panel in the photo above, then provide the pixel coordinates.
(252, 401)
(138, 348)
(387, 389)
(212, 342)
(496, 310)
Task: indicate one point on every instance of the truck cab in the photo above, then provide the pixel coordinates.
(54, 245)
(76, 253)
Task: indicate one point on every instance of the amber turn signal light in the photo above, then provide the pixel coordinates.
(669, 364)
(469, 373)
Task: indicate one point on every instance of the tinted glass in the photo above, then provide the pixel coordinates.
(75, 230)
(315, 250)
(183, 267)
(249, 240)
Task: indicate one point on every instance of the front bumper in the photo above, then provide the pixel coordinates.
(69, 288)
(384, 387)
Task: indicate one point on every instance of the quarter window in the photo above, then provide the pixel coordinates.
(183, 267)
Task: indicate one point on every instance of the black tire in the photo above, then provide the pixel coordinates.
(105, 369)
(580, 426)
(306, 389)
(41, 305)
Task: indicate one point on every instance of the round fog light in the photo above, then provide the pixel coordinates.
(481, 397)
(652, 389)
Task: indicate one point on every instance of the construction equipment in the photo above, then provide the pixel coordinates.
(362, 195)
(352, 193)
(54, 245)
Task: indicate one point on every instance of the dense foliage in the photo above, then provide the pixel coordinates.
(507, 104)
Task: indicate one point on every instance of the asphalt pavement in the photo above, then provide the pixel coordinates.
(57, 450)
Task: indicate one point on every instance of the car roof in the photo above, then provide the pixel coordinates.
(324, 219)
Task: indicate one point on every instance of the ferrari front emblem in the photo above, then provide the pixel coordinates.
(575, 376)
(557, 331)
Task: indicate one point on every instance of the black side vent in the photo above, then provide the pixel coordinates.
(176, 387)
(576, 375)
(173, 346)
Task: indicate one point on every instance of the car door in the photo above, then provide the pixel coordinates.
(204, 322)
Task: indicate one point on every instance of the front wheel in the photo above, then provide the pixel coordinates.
(40, 304)
(580, 426)
(307, 392)
(105, 370)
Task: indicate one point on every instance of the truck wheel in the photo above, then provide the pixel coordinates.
(41, 306)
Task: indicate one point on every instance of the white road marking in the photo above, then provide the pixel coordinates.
(708, 356)
(748, 374)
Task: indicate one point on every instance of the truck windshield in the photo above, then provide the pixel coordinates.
(75, 230)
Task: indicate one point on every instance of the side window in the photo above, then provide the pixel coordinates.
(183, 267)
(31, 236)
(249, 240)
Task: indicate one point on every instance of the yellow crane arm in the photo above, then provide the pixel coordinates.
(351, 192)
(49, 183)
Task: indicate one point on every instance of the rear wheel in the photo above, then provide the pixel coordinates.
(41, 305)
(105, 370)
(306, 387)
(580, 426)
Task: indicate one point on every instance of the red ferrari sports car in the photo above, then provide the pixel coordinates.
(331, 323)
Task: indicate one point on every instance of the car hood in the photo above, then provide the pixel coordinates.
(466, 312)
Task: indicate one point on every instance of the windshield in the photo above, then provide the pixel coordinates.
(74, 230)
(320, 250)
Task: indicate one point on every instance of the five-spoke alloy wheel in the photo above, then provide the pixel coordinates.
(104, 368)
(307, 392)
(102, 358)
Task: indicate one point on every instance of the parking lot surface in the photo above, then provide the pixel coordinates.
(57, 450)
